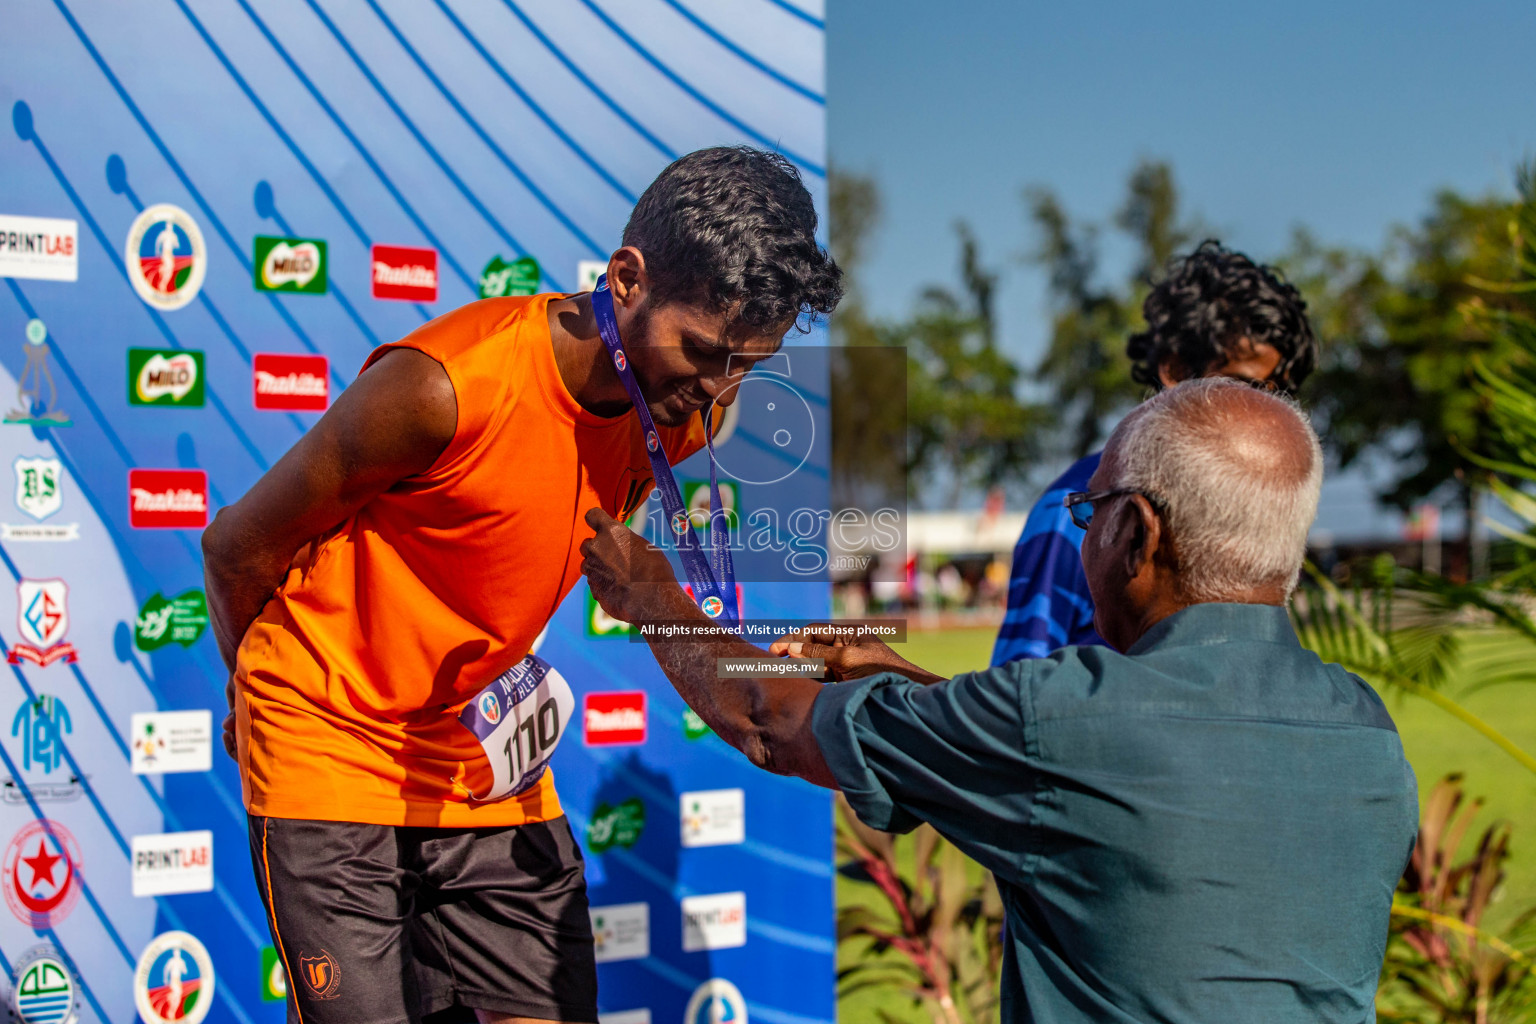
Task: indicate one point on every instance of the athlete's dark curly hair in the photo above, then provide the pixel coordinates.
(734, 230)
(1212, 299)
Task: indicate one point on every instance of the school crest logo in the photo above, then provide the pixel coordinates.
(174, 980)
(322, 975)
(42, 873)
(38, 486)
(166, 257)
(44, 991)
(42, 616)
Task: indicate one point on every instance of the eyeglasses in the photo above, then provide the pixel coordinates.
(1079, 504)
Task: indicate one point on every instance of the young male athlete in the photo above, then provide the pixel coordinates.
(1217, 314)
(408, 551)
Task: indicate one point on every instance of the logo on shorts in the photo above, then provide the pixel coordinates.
(174, 980)
(712, 606)
(619, 360)
(490, 707)
(166, 257)
(42, 874)
(44, 990)
(321, 974)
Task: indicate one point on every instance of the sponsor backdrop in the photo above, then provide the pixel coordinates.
(210, 212)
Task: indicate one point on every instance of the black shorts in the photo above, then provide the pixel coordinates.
(394, 925)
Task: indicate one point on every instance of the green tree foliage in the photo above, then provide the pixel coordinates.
(1084, 364)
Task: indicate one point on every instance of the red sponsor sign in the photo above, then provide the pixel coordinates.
(175, 498)
(612, 719)
(291, 383)
(402, 272)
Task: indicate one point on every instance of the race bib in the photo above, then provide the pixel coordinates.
(519, 720)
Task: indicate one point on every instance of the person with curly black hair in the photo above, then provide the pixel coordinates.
(377, 594)
(1216, 314)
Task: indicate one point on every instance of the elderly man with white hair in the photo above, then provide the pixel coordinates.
(1204, 824)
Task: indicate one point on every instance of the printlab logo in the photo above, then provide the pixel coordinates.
(174, 980)
(172, 741)
(167, 498)
(291, 383)
(41, 248)
(402, 272)
(42, 615)
(166, 257)
(42, 873)
(175, 620)
(322, 975)
(716, 1001)
(165, 377)
(613, 719)
(173, 862)
(39, 494)
(32, 410)
(716, 921)
(274, 980)
(42, 723)
(500, 279)
(44, 988)
(612, 826)
(290, 265)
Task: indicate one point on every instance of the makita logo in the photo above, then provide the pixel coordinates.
(293, 383)
(404, 273)
(176, 498)
(610, 719)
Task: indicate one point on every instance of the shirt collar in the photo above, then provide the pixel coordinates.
(1202, 624)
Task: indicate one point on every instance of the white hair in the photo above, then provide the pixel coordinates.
(1237, 483)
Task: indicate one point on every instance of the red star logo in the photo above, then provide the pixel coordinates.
(41, 863)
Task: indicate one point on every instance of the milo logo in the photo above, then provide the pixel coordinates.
(290, 265)
(500, 279)
(165, 377)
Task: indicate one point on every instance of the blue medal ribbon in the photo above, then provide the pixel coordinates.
(713, 576)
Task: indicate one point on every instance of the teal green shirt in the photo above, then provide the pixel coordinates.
(1207, 828)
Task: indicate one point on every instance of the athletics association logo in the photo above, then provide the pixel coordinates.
(44, 988)
(174, 980)
(290, 265)
(402, 272)
(42, 873)
(613, 719)
(31, 408)
(619, 360)
(167, 498)
(651, 441)
(321, 973)
(291, 383)
(165, 377)
(716, 1001)
(42, 616)
(712, 606)
(490, 707)
(166, 257)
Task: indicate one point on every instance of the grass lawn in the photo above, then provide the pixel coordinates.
(1436, 744)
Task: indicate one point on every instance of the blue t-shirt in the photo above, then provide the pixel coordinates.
(1048, 601)
(1207, 828)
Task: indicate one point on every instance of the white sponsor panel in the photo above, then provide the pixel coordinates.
(42, 248)
(625, 1017)
(172, 741)
(621, 931)
(587, 273)
(716, 921)
(713, 817)
(173, 862)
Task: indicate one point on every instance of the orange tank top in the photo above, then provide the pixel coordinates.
(351, 678)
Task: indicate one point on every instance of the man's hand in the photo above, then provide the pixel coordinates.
(629, 577)
(863, 657)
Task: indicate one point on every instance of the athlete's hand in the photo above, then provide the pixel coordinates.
(628, 576)
(229, 719)
(846, 659)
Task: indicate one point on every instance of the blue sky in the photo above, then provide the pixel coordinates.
(1344, 117)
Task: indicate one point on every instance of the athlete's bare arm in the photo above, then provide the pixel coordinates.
(392, 422)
